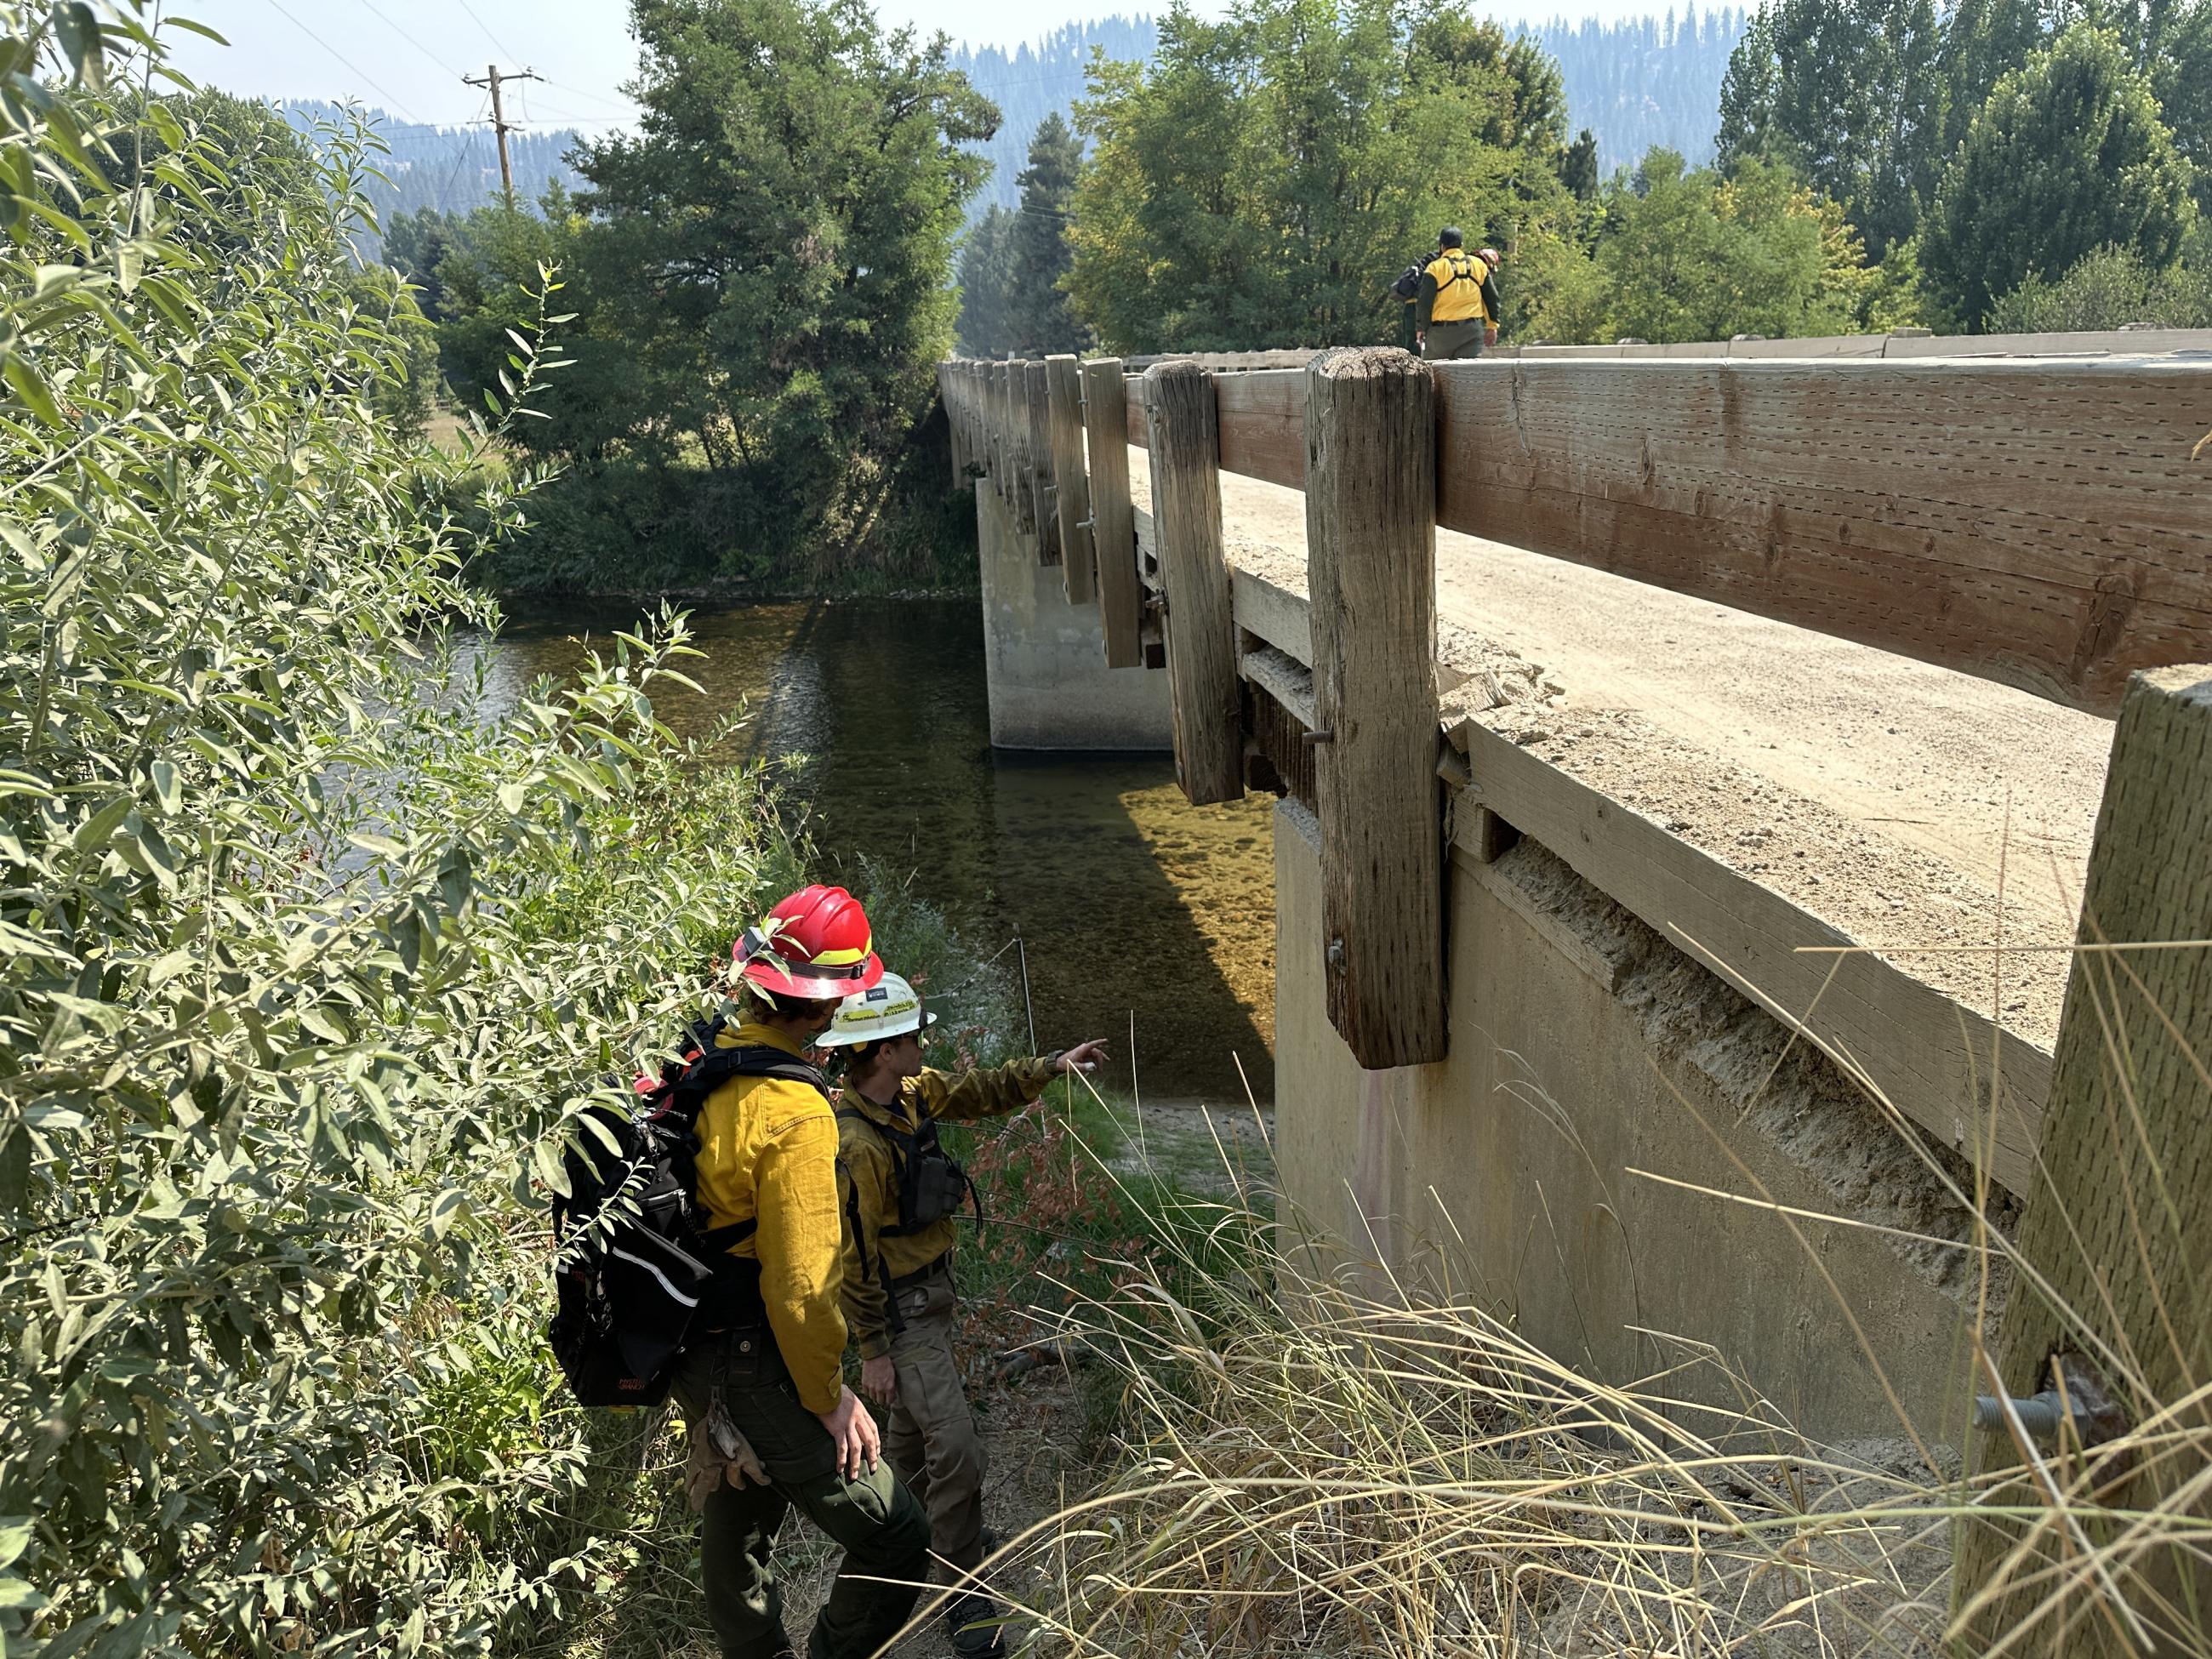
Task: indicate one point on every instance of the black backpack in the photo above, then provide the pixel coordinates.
(1408, 285)
(636, 1264)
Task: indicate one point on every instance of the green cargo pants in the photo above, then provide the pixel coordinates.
(884, 1531)
(931, 1439)
(930, 1436)
(1462, 339)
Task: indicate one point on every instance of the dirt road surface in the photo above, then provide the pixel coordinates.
(1895, 799)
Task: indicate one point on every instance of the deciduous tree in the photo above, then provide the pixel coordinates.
(770, 255)
(1849, 94)
(1262, 181)
(2068, 155)
(2107, 288)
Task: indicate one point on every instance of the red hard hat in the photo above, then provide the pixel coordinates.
(815, 945)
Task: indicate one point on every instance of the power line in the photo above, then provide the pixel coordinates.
(487, 34)
(347, 63)
(379, 14)
(572, 119)
(594, 97)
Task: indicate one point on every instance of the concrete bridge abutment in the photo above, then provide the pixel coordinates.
(1046, 659)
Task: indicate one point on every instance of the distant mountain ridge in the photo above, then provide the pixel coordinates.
(453, 169)
(1635, 83)
(1641, 82)
(1645, 81)
(1029, 82)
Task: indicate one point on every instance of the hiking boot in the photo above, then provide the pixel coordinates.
(970, 1638)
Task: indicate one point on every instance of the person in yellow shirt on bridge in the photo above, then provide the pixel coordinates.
(903, 1193)
(1456, 314)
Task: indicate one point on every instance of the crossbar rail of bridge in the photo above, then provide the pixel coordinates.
(2029, 511)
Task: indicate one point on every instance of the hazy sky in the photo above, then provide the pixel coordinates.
(409, 55)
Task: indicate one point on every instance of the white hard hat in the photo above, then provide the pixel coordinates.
(888, 1008)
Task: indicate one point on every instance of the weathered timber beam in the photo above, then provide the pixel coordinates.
(1263, 425)
(1201, 635)
(1370, 563)
(1278, 721)
(2040, 524)
(2118, 1219)
(948, 395)
(1043, 487)
(1930, 1056)
(1274, 613)
(1009, 381)
(1071, 481)
(1114, 530)
(1283, 677)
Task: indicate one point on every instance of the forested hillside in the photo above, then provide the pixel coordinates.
(1645, 81)
(1030, 82)
(451, 169)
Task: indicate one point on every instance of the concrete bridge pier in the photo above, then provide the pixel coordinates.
(1046, 659)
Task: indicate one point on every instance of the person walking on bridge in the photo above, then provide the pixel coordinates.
(766, 1385)
(903, 1193)
(1456, 314)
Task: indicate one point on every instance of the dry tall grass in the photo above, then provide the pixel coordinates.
(1329, 1466)
(1315, 1461)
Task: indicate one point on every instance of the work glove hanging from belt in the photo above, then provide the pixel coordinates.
(718, 1452)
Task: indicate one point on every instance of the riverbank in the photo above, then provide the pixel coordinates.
(1134, 916)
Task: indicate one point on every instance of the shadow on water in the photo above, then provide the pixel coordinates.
(1130, 901)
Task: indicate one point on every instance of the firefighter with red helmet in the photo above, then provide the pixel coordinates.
(771, 1378)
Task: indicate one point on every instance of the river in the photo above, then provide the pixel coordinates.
(1129, 901)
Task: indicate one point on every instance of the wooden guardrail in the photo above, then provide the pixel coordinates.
(2134, 340)
(2039, 523)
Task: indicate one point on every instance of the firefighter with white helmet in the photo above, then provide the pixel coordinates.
(903, 1193)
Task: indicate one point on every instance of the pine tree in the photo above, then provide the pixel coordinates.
(1578, 168)
(2069, 154)
(986, 281)
(1038, 321)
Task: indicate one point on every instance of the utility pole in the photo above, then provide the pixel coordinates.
(492, 79)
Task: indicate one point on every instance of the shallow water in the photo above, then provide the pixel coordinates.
(1129, 900)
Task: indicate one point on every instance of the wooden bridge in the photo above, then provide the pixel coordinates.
(2028, 513)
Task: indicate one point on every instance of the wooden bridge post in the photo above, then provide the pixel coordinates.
(970, 452)
(1044, 493)
(1001, 436)
(1371, 560)
(1113, 518)
(2119, 1225)
(1183, 434)
(1021, 472)
(948, 394)
(1064, 396)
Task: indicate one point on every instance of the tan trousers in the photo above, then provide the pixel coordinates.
(930, 1435)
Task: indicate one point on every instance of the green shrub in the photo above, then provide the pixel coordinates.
(308, 957)
(2106, 288)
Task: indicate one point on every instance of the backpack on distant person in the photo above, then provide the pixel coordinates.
(1408, 285)
(636, 1265)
